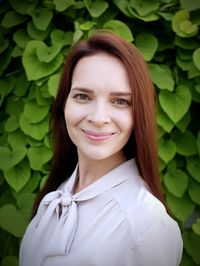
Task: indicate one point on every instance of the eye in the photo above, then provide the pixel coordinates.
(121, 102)
(81, 97)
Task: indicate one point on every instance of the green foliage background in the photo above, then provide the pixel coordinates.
(35, 37)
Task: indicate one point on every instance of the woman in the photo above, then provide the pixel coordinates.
(106, 208)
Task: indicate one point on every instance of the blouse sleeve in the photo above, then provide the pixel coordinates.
(159, 242)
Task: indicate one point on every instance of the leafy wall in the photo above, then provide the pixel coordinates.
(35, 37)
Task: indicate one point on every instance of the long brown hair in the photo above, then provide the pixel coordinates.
(143, 142)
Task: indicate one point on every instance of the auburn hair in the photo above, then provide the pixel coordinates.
(143, 142)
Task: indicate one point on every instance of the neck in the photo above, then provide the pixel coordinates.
(91, 170)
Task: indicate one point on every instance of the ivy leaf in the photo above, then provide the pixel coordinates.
(34, 68)
(35, 113)
(10, 260)
(10, 158)
(12, 220)
(17, 139)
(62, 38)
(62, 5)
(41, 18)
(194, 192)
(164, 121)
(96, 8)
(177, 103)
(38, 156)
(182, 25)
(21, 38)
(182, 208)
(184, 122)
(47, 54)
(18, 176)
(190, 5)
(193, 167)
(53, 84)
(196, 227)
(144, 7)
(176, 182)
(87, 25)
(36, 131)
(36, 34)
(166, 150)
(12, 19)
(22, 6)
(185, 143)
(120, 28)
(25, 202)
(191, 244)
(123, 7)
(6, 85)
(11, 124)
(196, 58)
(161, 76)
(147, 44)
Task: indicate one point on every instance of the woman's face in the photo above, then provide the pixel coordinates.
(98, 110)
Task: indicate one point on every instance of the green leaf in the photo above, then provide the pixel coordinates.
(144, 7)
(21, 86)
(53, 84)
(190, 5)
(120, 28)
(184, 122)
(177, 103)
(35, 113)
(176, 182)
(25, 202)
(185, 143)
(9, 158)
(36, 34)
(198, 142)
(41, 18)
(36, 131)
(186, 43)
(12, 220)
(166, 150)
(196, 58)
(18, 176)
(21, 38)
(11, 124)
(12, 19)
(164, 121)
(182, 208)
(196, 227)
(182, 26)
(194, 192)
(147, 44)
(62, 38)
(193, 167)
(22, 6)
(4, 45)
(17, 139)
(123, 7)
(34, 68)
(10, 261)
(191, 244)
(96, 8)
(161, 76)
(38, 156)
(62, 5)
(47, 54)
(87, 25)
(6, 85)
(32, 183)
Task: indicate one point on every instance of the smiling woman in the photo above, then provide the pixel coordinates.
(102, 203)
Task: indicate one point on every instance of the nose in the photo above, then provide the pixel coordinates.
(99, 115)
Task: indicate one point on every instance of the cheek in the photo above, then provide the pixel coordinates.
(125, 122)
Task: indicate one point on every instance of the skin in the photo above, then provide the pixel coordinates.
(98, 115)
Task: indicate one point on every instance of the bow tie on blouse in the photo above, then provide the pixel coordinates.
(61, 207)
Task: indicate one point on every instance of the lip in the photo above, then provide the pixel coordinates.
(97, 136)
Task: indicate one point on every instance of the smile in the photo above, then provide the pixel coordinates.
(97, 136)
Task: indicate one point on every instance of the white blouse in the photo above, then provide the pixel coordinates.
(115, 221)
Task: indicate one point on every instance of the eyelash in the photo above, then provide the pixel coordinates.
(119, 101)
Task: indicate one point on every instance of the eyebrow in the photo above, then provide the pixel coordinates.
(113, 93)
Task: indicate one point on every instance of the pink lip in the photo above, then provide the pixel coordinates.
(97, 136)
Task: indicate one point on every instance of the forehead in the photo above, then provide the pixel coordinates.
(100, 70)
